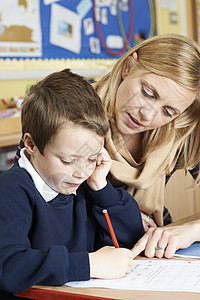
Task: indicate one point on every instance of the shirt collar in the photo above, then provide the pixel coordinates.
(46, 191)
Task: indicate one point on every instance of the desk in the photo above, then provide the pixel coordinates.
(71, 293)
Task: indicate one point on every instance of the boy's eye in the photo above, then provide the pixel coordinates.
(68, 162)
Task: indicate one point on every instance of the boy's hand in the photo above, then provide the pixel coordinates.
(109, 262)
(97, 180)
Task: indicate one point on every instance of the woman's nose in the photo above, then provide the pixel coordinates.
(148, 113)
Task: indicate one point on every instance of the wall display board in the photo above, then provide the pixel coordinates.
(84, 29)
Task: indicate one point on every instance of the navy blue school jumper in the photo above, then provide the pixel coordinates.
(47, 243)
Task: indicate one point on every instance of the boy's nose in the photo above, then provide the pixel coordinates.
(79, 170)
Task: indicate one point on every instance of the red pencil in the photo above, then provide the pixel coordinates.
(112, 233)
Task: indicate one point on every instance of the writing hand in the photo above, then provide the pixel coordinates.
(109, 262)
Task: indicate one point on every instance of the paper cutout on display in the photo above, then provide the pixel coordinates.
(83, 7)
(104, 2)
(97, 13)
(114, 41)
(113, 9)
(94, 45)
(65, 28)
(104, 16)
(88, 25)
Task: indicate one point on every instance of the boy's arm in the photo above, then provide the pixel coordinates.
(123, 209)
(124, 214)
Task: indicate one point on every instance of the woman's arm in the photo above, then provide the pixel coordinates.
(164, 241)
(147, 221)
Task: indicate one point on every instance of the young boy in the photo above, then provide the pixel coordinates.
(52, 229)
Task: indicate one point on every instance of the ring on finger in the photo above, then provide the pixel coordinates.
(147, 219)
(159, 248)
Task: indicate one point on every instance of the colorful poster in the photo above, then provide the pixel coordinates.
(20, 29)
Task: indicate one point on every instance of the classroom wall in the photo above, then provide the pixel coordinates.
(171, 16)
(20, 73)
(176, 16)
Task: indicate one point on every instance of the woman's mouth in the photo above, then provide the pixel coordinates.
(134, 123)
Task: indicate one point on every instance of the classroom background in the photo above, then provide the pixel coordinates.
(38, 37)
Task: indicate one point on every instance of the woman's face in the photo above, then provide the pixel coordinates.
(149, 101)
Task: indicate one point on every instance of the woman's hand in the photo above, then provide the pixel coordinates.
(109, 262)
(147, 221)
(164, 241)
(97, 180)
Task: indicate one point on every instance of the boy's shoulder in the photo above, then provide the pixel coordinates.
(14, 174)
(16, 186)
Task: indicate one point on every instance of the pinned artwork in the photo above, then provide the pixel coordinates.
(88, 26)
(84, 7)
(95, 45)
(65, 28)
(20, 29)
(62, 29)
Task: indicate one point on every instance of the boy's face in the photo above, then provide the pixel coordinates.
(69, 160)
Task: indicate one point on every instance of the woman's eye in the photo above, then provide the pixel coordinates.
(93, 160)
(147, 93)
(167, 112)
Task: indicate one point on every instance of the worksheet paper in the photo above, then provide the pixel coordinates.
(153, 275)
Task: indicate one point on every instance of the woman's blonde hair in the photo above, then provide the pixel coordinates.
(175, 57)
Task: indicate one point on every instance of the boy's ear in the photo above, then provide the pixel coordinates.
(29, 143)
(128, 65)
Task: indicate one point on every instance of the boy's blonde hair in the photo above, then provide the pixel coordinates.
(61, 97)
(175, 57)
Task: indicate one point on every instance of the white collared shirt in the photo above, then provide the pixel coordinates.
(46, 191)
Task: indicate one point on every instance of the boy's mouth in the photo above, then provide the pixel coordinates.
(73, 184)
